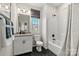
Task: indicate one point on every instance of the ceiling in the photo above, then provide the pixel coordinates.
(55, 4)
(41, 4)
(36, 4)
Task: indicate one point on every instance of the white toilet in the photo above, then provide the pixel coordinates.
(39, 43)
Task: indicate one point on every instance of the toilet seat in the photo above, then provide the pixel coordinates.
(39, 46)
(39, 43)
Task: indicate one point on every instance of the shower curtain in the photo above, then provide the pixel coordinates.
(71, 43)
(75, 29)
(67, 44)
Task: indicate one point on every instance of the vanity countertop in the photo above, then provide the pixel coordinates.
(20, 35)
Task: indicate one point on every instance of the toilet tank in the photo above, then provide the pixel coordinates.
(37, 37)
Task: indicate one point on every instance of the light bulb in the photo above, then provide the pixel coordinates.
(23, 10)
(28, 12)
(18, 9)
(6, 7)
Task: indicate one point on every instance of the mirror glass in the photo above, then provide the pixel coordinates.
(23, 23)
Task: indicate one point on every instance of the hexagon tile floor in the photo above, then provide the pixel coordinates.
(44, 52)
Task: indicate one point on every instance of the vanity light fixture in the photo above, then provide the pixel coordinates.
(29, 12)
(18, 9)
(6, 7)
(23, 10)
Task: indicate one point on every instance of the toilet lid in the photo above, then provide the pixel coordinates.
(39, 42)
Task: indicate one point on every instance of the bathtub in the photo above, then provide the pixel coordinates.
(55, 47)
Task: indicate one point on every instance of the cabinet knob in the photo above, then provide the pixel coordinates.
(23, 41)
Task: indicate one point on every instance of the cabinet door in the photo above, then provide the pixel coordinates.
(23, 45)
(18, 46)
(28, 43)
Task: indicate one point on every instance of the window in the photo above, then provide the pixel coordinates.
(35, 25)
(35, 15)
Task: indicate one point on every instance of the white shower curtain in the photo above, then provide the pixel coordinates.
(71, 43)
(66, 47)
(75, 30)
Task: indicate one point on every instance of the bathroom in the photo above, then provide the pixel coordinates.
(39, 29)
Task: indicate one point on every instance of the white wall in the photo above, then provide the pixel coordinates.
(14, 17)
(44, 25)
(51, 23)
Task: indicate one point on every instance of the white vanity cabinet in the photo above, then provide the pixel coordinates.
(22, 44)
